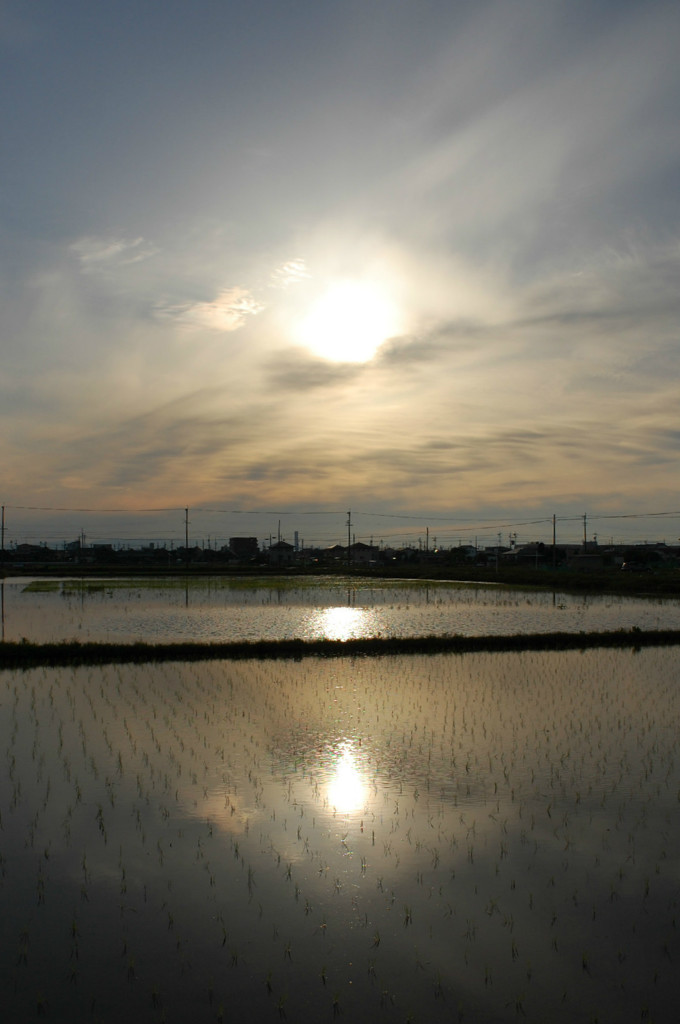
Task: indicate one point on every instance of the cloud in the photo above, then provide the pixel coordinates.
(97, 255)
(295, 370)
(290, 273)
(194, 437)
(444, 339)
(506, 173)
(229, 311)
(524, 154)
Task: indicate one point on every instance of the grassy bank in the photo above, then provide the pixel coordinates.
(30, 655)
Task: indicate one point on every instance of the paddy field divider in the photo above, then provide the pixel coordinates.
(25, 654)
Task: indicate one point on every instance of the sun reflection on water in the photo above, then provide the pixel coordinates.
(347, 790)
(342, 623)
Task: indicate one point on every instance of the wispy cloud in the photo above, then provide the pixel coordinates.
(101, 254)
(506, 174)
(227, 312)
(296, 370)
(290, 273)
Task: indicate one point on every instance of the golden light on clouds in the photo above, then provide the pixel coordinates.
(229, 311)
(349, 321)
(447, 283)
(290, 273)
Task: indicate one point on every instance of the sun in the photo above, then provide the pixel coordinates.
(349, 322)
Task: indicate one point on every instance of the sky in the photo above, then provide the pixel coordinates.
(416, 260)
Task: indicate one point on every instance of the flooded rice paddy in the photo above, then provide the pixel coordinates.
(477, 838)
(218, 609)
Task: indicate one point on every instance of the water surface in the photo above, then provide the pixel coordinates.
(221, 609)
(476, 837)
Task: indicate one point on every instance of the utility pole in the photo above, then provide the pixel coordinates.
(3, 534)
(585, 537)
(554, 551)
(186, 537)
(349, 539)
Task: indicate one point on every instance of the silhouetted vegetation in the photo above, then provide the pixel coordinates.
(613, 581)
(28, 655)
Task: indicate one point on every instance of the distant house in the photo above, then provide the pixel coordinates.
(458, 555)
(363, 554)
(244, 548)
(281, 553)
(152, 553)
(32, 553)
(407, 554)
(534, 553)
(335, 553)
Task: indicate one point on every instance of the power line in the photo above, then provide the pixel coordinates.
(108, 511)
(453, 527)
(421, 517)
(634, 515)
(266, 512)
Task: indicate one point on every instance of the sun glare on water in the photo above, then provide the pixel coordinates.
(346, 788)
(341, 623)
(349, 322)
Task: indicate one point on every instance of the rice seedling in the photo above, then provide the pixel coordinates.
(525, 907)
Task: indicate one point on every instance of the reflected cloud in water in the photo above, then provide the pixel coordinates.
(343, 623)
(244, 805)
(347, 790)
